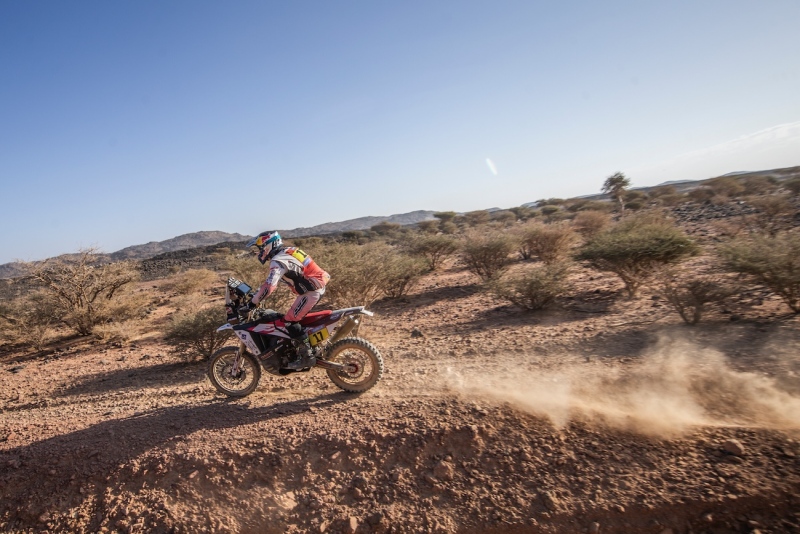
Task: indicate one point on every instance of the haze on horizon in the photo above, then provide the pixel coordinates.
(125, 123)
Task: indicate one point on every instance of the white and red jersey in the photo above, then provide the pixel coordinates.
(294, 268)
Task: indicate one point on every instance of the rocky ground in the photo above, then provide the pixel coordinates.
(602, 415)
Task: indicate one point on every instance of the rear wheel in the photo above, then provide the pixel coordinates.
(363, 364)
(232, 383)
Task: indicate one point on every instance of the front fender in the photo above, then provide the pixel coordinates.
(226, 326)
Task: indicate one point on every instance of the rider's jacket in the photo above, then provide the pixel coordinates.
(294, 268)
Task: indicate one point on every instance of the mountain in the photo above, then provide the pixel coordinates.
(195, 239)
(362, 223)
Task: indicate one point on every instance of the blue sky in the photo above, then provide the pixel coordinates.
(128, 122)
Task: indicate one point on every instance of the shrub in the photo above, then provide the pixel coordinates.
(504, 217)
(634, 205)
(591, 223)
(774, 212)
(402, 273)
(550, 243)
(358, 272)
(434, 248)
(701, 194)
(635, 247)
(487, 255)
(523, 213)
(793, 185)
(448, 227)
(476, 218)
(689, 295)
(772, 260)
(193, 281)
(429, 227)
(386, 228)
(81, 290)
(195, 333)
(760, 185)
(535, 288)
(726, 186)
(27, 320)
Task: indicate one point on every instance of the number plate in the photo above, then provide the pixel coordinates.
(318, 337)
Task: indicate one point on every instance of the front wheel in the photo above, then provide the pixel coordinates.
(231, 379)
(363, 364)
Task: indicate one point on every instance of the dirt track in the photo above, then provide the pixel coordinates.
(602, 416)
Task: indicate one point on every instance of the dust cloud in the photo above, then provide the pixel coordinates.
(671, 389)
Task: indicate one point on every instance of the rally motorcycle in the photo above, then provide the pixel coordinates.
(352, 363)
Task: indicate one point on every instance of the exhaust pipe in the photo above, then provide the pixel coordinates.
(349, 326)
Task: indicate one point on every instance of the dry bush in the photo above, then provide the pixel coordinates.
(759, 185)
(636, 247)
(477, 218)
(27, 320)
(701, 194)
(591, 223)
(429, 227)
(523, 213)
(792, 185)
(773, 261)
(774, 212)
(82, 291)
(535, 288)
(402, 273)
(122, 331)
(550, 243)
(193, 281)
(386, 228)
(690, 294)
(672, 200)
(487, 254)
(194, 334)
(436, 249)
(726, 186)
(359, 273)
(503, 217)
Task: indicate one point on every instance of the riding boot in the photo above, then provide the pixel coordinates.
(304, 353)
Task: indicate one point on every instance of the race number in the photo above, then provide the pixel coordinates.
(318, 337)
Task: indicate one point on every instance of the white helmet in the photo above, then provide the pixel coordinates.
(268, 243)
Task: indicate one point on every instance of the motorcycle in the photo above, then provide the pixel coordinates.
(352, 363)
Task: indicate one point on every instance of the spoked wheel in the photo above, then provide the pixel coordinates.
(231, 379)
(363, 364)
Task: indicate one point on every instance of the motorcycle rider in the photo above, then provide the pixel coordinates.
(305, 279)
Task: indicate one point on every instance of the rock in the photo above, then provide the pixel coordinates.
(734, 446)
(551, 501)
(416, 332)
(594, 528)
(351, 525)
(444, 470)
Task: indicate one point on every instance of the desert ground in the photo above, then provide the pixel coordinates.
(598, 415)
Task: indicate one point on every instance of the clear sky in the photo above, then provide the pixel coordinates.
(128, 122)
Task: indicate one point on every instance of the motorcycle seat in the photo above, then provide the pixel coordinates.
(314, 318)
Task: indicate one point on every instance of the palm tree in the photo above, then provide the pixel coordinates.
(615, 186)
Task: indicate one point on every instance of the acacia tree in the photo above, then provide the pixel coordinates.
(80, 287)
(615, 185)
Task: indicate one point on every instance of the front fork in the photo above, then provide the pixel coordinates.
(237, 362)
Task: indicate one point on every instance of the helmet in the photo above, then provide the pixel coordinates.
(268, 243)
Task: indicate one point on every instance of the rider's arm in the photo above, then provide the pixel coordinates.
(276, 271)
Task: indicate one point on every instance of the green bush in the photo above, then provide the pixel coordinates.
(436, 249)
(359, 273)
(773, 261)
(535, 288)
(487, 254)
(193, 334)
(635, 248)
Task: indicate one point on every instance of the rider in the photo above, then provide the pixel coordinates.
(304, 277)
